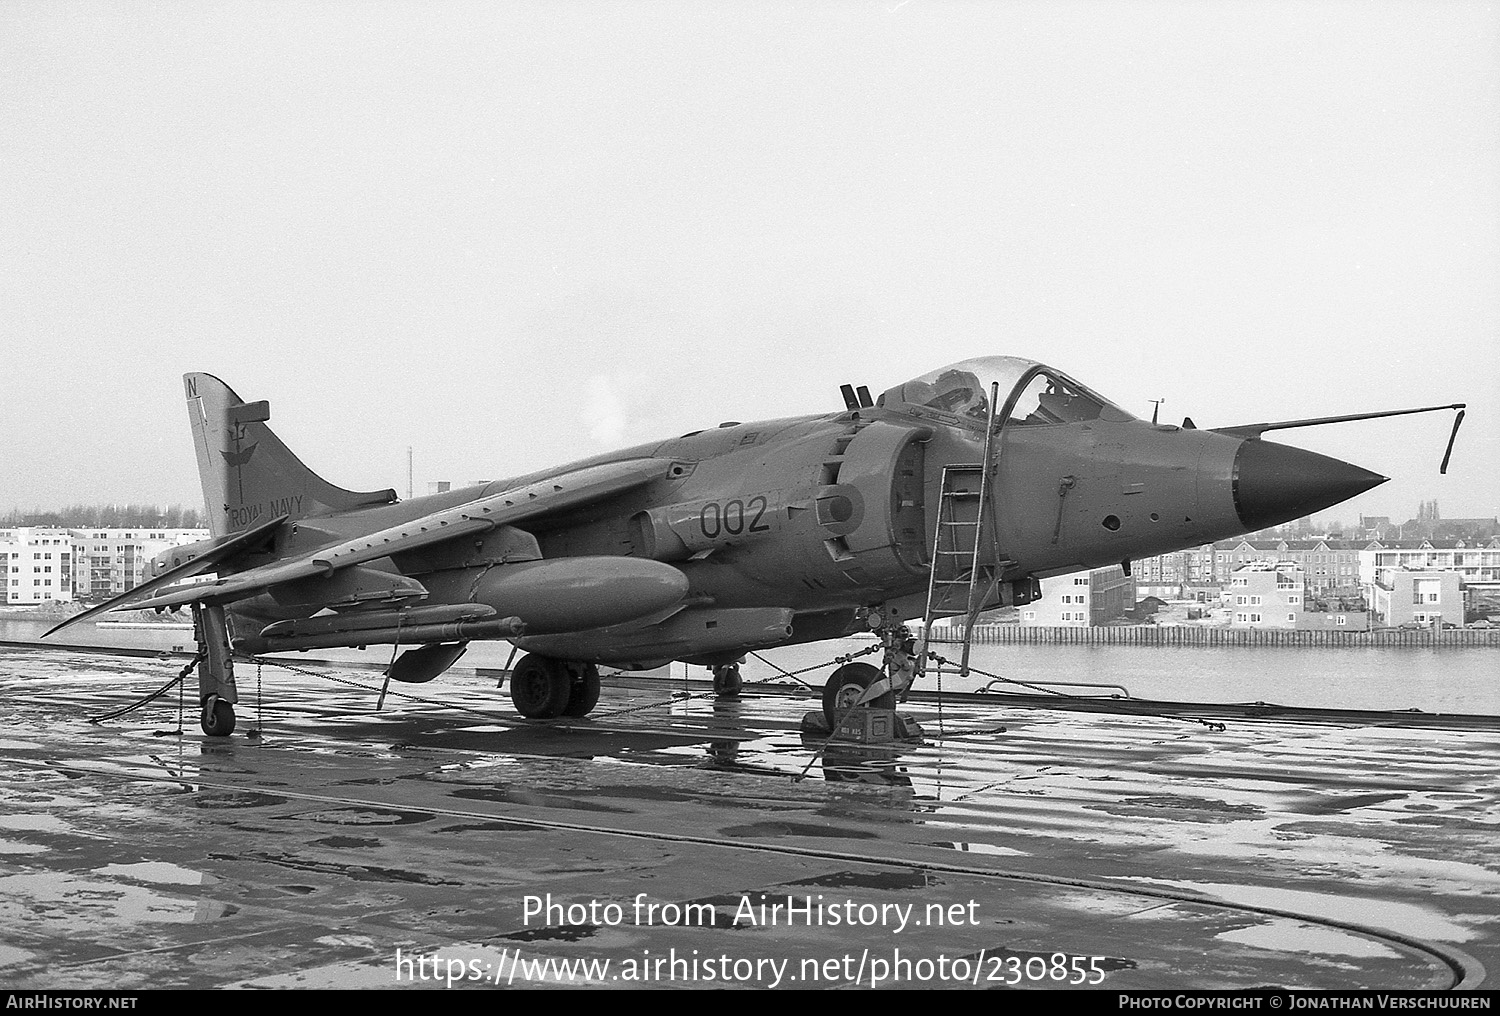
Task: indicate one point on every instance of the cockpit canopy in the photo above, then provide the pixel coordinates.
(1030, 395)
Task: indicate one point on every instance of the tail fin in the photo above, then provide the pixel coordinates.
(248, 475)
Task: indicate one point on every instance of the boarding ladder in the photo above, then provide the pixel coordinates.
(964, 512)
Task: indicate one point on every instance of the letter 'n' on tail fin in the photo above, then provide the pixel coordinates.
(248, 475)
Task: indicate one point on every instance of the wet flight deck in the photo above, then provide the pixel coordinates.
(670, 839)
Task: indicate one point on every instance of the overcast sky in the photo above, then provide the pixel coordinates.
(512, 235)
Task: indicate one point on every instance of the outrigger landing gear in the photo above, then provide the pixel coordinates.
(727, 681)
(216, 689)
(544, 688)
(218, 717)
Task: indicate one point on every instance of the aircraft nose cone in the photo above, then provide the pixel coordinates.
(1278, 483)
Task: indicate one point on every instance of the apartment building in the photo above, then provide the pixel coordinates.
(1392, 573)
(1266, 594)
(1476, 562)
(1081, 599)
(36, 565)
(1418, 597)
(108, 562)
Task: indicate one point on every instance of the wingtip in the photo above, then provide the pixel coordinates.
(62, 624)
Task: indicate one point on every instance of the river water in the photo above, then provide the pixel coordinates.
(1433, 679)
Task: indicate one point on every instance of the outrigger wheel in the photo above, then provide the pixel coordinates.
(846, 685)
(218, 717)
(540, 687)
(727, 681)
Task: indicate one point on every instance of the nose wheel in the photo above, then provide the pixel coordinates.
(847, 685)
(727, 682)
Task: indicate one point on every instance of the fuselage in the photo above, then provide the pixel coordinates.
(757, 534)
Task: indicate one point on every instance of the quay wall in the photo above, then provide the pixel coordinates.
(1193, 635)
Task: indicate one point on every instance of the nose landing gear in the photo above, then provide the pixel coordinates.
(727, 681)
(859, 700)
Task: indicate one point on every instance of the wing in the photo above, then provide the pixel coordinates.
(569, 490)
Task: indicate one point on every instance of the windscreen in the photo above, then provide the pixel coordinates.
(1048, 399)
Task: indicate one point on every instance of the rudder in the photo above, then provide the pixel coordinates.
(247, 474)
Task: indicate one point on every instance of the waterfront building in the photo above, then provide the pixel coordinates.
(1476, 561)
(1427, 597)
(1266, 594)
(37, 565)
(1081, 599)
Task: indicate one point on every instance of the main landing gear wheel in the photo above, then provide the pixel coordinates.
(540, 687)
(218, 717)
(727, 682)
(583, 689)
(846, 685)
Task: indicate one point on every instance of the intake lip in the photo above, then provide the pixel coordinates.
(1276, 483)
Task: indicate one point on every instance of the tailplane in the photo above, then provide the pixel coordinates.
(248, 475)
